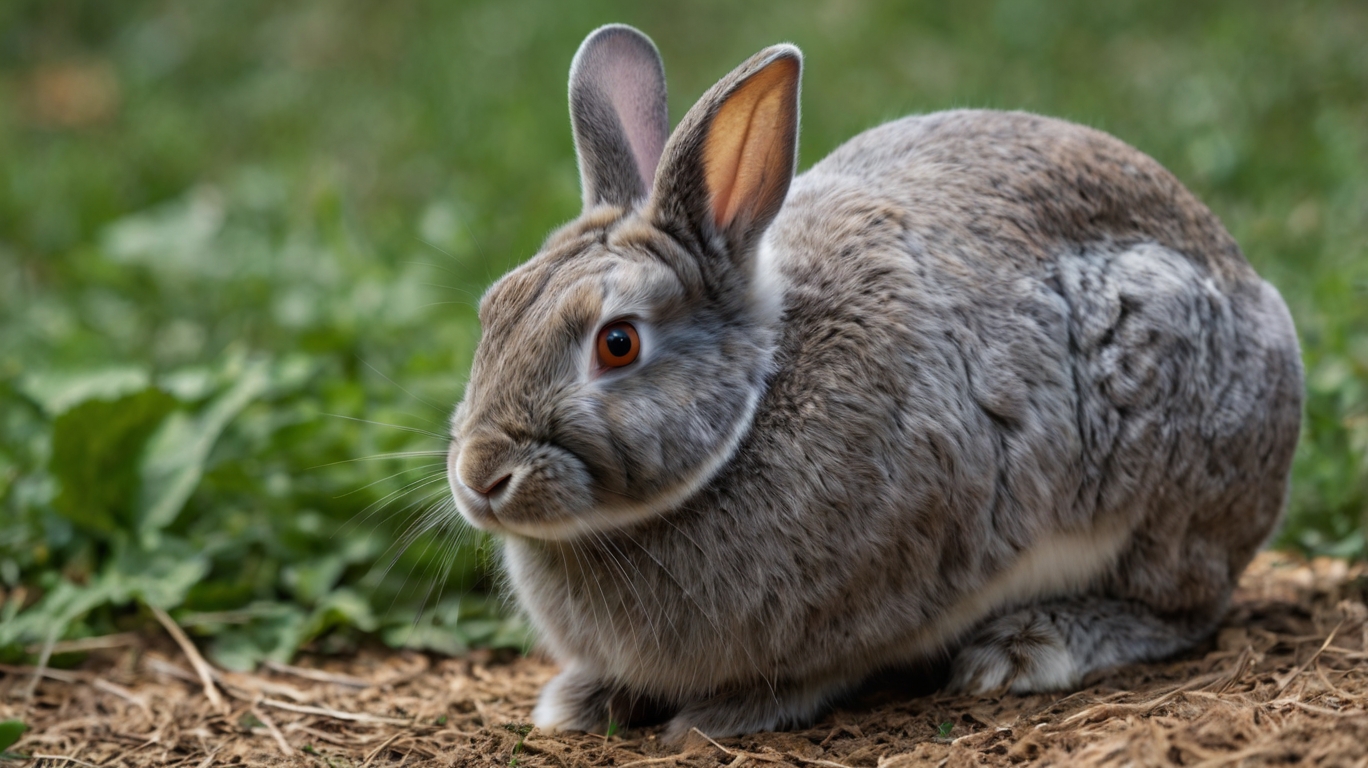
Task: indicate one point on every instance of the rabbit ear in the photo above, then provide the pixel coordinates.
(619, 114)
(728, 166)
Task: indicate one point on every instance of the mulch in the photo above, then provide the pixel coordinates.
(1284, 682)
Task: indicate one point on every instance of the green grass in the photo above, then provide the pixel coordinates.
(229, 230)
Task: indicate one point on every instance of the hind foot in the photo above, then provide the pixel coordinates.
(1053, 646)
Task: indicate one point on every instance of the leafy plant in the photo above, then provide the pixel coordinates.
(10, 732)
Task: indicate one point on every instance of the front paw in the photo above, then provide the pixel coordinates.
(574, 700)
(1021, 652)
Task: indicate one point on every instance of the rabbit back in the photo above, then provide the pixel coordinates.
(1106, 344)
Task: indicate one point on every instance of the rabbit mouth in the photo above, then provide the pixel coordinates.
(538, 491)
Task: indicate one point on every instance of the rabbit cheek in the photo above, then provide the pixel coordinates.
(553, 493)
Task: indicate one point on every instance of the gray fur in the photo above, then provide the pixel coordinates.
(992, 384)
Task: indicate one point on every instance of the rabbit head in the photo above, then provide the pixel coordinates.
(620, 367)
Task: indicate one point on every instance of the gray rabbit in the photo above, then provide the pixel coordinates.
(979, 384)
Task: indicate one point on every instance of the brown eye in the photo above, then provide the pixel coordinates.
(618, 344)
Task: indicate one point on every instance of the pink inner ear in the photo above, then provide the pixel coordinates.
(630, 84)
(748, 155)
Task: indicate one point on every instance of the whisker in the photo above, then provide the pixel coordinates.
(416, 529)
(668, 521)
(400, 427)
(712, 620)
(370, 509)
(437, 267)
(379, 457)
(438, 249)
(401, 388)
(451, 288)
(447, 556)
(448, 304)
(428, 467)
(609, 549)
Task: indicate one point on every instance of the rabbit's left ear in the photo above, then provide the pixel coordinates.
(728, 166)
(619, 114)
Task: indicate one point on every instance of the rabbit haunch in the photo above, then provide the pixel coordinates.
(984, 385)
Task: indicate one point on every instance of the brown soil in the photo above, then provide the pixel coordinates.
(1284, 682)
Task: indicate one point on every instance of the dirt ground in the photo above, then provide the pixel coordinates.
(1284, 682)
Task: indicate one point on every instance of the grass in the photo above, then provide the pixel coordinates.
(240, 245)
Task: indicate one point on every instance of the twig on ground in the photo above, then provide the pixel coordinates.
(351, 742)
(257, 686)
(778, 757)
(660, 760)
(43, 659)
(1347, 653)
(1108, 710)
(163, 667)
(1296, 673)
(1313, 708)
(317, 675)
(60, 675)
(82, 645)
(1245, 660)
(206, 672)
(380, 749)
(334, 713)
(64, 759)
(102, 684)
(209, 759)
(279, 737)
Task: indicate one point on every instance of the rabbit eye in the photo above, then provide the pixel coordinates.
(618, 344)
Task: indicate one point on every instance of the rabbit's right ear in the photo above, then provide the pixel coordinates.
(727, 169)
(619, 114)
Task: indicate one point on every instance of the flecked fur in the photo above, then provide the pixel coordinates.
(989, 384)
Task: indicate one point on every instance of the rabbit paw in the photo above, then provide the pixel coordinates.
(1021, 652)
(574, 700)
(748, 710)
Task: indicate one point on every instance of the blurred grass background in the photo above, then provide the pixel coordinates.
(233, 234)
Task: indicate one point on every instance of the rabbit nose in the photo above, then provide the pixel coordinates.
(494, 487)
(483, 464)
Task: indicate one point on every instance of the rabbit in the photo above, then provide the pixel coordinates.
(979, 386)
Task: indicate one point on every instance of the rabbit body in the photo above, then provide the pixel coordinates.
(1019, 399)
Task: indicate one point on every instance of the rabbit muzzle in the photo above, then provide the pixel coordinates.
(530, 489)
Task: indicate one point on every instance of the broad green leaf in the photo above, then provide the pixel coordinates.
(160, 577)
(276, 634)
(51, 615)
(310, 580)
(425, 637)
(10, 731)
(95, 450)
(58, 392)
(175, 458)
(341, 607)
(174, 236)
